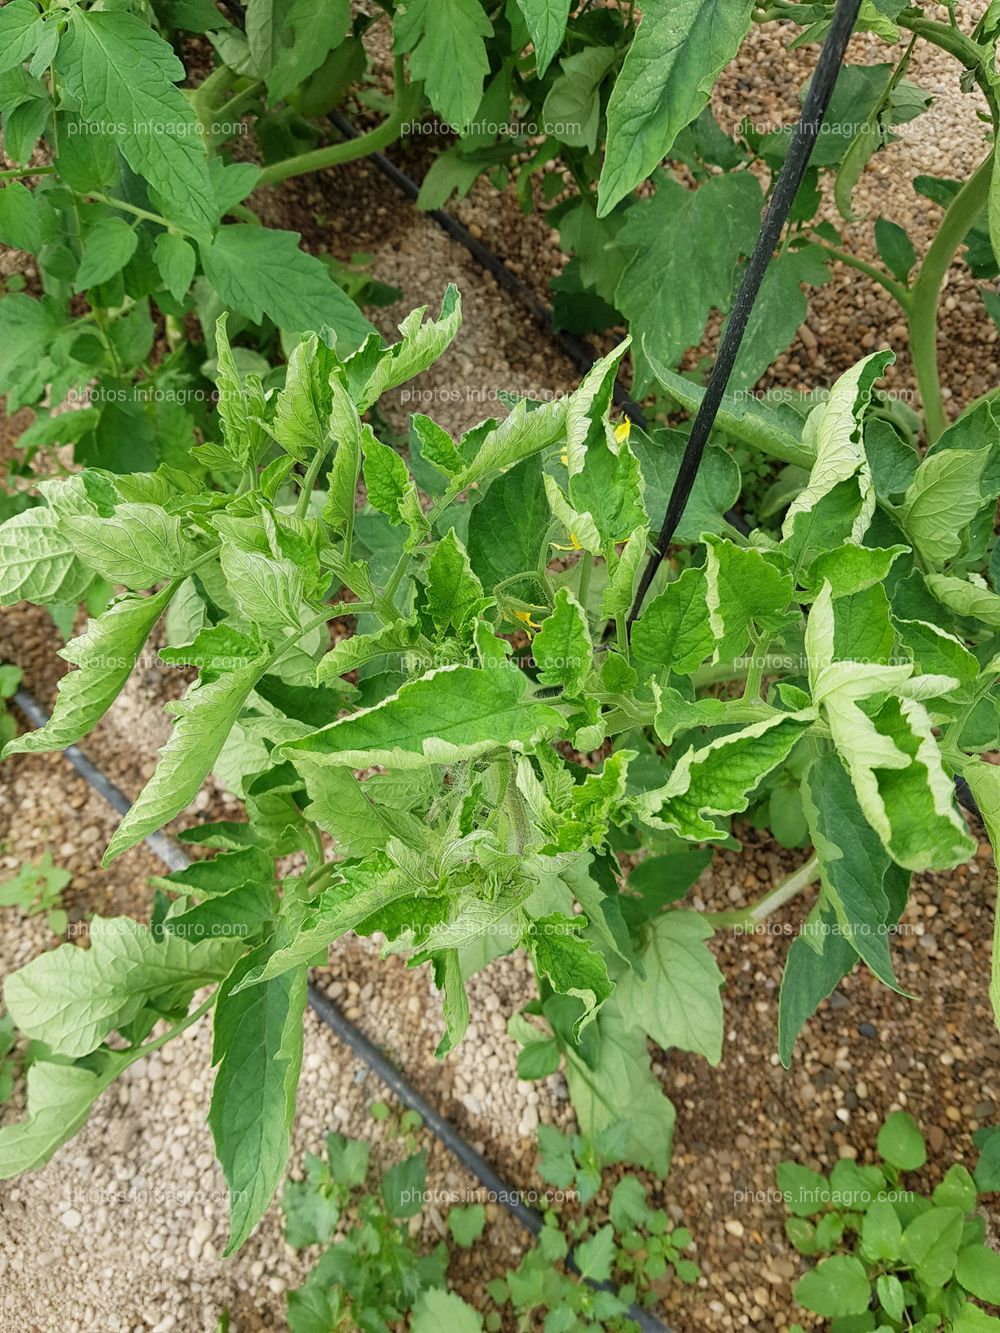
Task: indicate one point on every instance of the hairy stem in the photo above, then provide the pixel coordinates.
(925, 294)
(897, 290)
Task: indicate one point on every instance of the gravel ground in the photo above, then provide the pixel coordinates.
(152, 1262)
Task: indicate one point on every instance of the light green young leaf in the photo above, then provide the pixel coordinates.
(355, 651)
(302, 410)
(352, 812)
(138, 545)
(60, 1098)
(678, 1002)
(678, 51)
(441, 1311)
(720, 778)
(942, 500)
(580, 527)
(446, 42)
(450, 714)
(257, 1044)
(436, 445)
(259, 271)
(267, 591)
(610, 487)
(454, 594)
(931, 1243)
(386, 478)
(204, 719)
(746, 591)
(966, 597)
(421, 345)
(850, 568)
(38, 562)
(104, 655)
(73, 998)
(562, 648)
(107, 247)
(238, 404)
(674, 631)
(518, 436)
(342, 480)
(835, 1288)
(310, 31)
(618, 594)
(152, 121)
(546, 23)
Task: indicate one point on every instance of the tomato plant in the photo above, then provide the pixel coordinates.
(857, 651)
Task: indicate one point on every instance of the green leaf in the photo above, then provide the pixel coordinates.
(445, 39)
(716, 487)
(504, 529)
(571, 965)
(454, 594)
(259, 271)
(678, 51)
(819, 957)
(176, 260)
(419, 347)
(149, 118)
(353, 812)
(573, 103)
(73, 998)
(930, 1245)
(302, 415)
(107, 247)
(20, 32)
(436, 445)
(840, 452)
(20, 225)
(137, 545)
(386, 478)
(674, 632)
(467, 1224)
(957, 1189)
(835, 1288)
(619, 1085)
(666, 298)
(853, 864)
(310, 31)
(978, 1270)
(450, 714)
(895, 248)
(849, 569)
(719, 778)
(891, 1295)
(257, 1045)
(941, 502)
(779, 310)
(746, 593)
(519, 435)
(204, 719)
(881, 1233)
(538, 1059)
(594, 1257)
(966, 597)
(267, 592)
(562, 649)
(971, 1319)
(105, 655)
(678, 1003)
(805, 1192)
(38, 562)
(440, 1311)
(405, 1185)
(901, 1143)
(984, 783)
(60, 1098)
(546, 23)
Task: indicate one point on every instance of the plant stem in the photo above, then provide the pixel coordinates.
(350, 149)
(925, 294)
(583, 588)
(308, 482)
(143, 213)
(19, 173)
(789, 888)
(897, 290)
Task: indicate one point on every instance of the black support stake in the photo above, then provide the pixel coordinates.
(786, 188)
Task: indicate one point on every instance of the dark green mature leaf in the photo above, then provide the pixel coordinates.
(259, 271)
(819, 958)
(104, 655)
(445, 39)
(310, 30)
(152, 121)
(562, 648)
(665, 297)
(546, 22)
(20, 31)
(570, 964)
(504, 529)
(716, 487)
(678, 51)
(20, 225)
(257, 1044)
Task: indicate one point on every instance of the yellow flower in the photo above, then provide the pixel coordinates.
(623, 430)
(564, 457)
(573, 546)
(525, 619)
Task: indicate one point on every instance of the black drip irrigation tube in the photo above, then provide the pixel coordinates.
(329, 1013)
